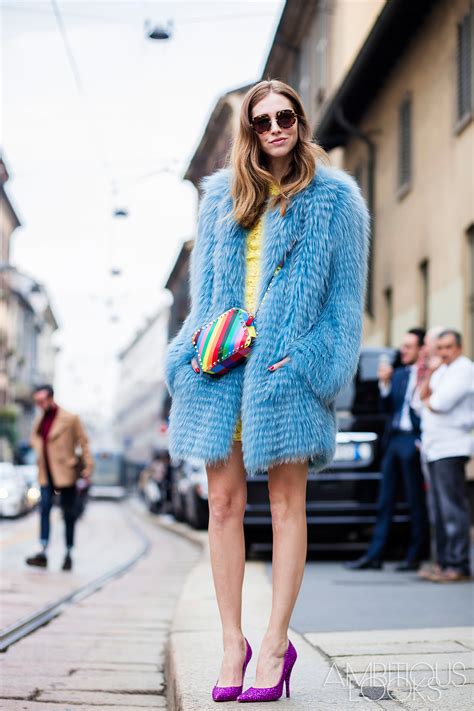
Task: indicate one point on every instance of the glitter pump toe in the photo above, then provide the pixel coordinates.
(273, 693)
(230, 693)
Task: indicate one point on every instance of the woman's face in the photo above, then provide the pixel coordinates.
(277, 142)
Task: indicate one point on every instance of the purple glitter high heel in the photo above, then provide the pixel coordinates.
(230, 693)
(273, 693)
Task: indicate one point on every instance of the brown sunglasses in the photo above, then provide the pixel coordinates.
(263, 123)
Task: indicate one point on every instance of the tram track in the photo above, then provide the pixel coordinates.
(30, 623)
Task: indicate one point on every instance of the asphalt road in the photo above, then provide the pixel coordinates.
(334, 599)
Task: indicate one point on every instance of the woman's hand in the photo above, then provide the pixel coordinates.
(195, 365)
(279, 364)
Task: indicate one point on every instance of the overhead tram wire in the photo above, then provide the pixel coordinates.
(77, 76)
(86, 109)
(14, 7)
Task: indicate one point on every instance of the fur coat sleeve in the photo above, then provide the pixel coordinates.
(336, 336)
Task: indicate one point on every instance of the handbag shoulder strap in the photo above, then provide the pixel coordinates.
(278, 268)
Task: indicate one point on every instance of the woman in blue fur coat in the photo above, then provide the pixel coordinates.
(306, 351)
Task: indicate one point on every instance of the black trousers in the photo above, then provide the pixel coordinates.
(451, 513)
(402, 456)
(67, 500)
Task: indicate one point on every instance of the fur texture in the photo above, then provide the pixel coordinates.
(312, 313)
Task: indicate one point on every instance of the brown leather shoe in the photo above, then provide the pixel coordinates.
(40, 560)
(448, 575)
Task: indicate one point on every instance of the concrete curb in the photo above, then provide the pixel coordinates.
(169, 523)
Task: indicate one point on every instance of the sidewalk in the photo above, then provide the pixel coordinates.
(435, 666)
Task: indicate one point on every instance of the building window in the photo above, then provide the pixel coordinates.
(404, 144)
(304, 82)
(425, 292)
(464, 67)
(388, 297)
(470, 296)
(321, 52)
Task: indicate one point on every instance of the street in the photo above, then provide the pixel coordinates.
(335, 599)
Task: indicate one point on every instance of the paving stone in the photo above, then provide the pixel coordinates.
(457, 698)
(392, 661)
(152, 703)
(91, 699)
(384, 648)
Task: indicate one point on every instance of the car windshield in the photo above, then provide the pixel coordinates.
(362, 392)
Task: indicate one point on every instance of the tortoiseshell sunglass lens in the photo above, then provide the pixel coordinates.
(262, 124)
(285, 118)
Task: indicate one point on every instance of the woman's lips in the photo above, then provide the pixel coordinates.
(278, 140)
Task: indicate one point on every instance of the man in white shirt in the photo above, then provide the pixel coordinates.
(447, 421)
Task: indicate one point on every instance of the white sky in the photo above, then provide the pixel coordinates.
(74, 154)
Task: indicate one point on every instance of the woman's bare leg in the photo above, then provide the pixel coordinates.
(287, 490)
(227, 499)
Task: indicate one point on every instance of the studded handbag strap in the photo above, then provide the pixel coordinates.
(280, 265)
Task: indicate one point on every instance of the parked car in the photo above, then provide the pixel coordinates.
(30, 474)
(154, 482)
(13, 491)
(196, 505)
(341, 501)
(179, 485)
(149, 486)
(189, 493)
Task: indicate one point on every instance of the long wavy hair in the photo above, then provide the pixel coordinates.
(251, 174)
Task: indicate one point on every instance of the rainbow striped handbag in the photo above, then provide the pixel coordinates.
(227, 341)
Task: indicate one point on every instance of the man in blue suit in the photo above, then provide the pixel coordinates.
(402, 455)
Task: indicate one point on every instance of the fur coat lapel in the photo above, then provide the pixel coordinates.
(281, 236)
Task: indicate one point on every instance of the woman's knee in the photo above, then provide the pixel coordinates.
(287, 499)
(225, 505)
(284, 504)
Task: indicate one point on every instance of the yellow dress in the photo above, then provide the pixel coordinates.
(254, 244)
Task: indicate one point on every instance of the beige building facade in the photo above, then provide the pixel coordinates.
(9, 222)
(388, 87)
(423, 204)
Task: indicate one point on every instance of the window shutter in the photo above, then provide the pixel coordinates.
(464, 62)
(404, 143)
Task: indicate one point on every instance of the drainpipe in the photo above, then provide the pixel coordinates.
(371, 153)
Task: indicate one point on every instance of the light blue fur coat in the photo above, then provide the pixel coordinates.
(312, 313)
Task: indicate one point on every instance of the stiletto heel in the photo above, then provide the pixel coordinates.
(287, 678)
(273, 693)
(230, 693)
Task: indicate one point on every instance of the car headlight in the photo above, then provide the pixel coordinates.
(355, 447)
(365, 451)
(33, 494)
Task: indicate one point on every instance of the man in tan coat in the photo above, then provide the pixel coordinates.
(56, 436)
